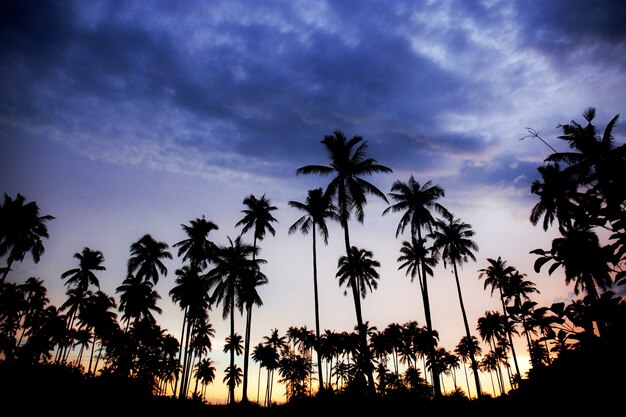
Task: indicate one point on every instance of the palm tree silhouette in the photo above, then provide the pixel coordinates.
(205, 373)
(349, 163)
(233, 263)
(317, 208)
(417, 202)
(558, 198)
(192, 294)
(497, 276)
(596, 162)
(492, 328)
(197, 248)
(277, 344)
(517, 289)
(138, 299)
(82, 277)
(258, 218)
(22, 231)
(453, 240)
(78, 281)
(146, 262)
(467, 348)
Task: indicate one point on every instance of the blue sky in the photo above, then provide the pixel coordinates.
(122, 118)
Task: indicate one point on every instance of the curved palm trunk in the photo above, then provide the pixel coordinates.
(180, 350)
(231, 383)
(244, 395)
(317, 314)
(429, 322)
(365, 355)
(7, 269)
(509, 333)
(467, 332)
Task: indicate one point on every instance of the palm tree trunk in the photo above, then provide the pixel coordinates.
(469, 391)
(231, 383)
(506, 317)
(180, 351)
(317, 314)
(93, 347)
(244, 395)
(7, 269)
(429, 323)
(467, 332)
(365, 356)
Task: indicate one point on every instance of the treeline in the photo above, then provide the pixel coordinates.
(579, 192)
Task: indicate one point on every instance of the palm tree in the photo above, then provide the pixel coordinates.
(317, 208)
(453, 240)
(359, 269)
(415, 255)
(517, 289)
(79, 279)
(205, 373)
(466, 349)
(277, 343)
(558, 198)
(22, 231)
(197, 248)
(192, 293)
(497, 276)
(258, 218)
(417, 202)
(82, 277)
(492, 328)
(146, 262)
(138, 299)
(233, 263)
(596, 162)
(349, 163)
(585, 262)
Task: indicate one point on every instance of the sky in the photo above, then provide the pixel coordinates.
(122, 118)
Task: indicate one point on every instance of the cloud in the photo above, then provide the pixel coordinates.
(435, 87)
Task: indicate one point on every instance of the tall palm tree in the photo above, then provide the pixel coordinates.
(453, 240)
(22, 231)
(146, 261)
(498, 276)
(258, 218)
(197, 248)
(317, 208)
(349, 164)
(233, 263)
(418, 203)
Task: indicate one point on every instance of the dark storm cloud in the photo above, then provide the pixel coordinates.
(568, 27)
(263, 82)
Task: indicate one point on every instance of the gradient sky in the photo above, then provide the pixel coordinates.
(122, 118)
